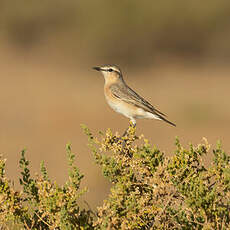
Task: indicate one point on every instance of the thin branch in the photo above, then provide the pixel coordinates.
(43, 220)
(27, 227)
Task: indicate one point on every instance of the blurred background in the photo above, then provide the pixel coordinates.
(174, 53)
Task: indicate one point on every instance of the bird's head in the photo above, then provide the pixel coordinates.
(110, 72)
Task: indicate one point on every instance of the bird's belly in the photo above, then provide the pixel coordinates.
(119, 107)
(140, 113)
(130, 110)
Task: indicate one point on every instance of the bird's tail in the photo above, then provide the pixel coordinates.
(164, 119)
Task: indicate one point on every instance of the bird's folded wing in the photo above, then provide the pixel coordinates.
(126, 94)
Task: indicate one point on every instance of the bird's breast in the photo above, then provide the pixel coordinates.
(117, 104)
(111, 100)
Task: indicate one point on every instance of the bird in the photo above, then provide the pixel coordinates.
(124, 100)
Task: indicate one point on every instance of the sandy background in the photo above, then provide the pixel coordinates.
(47, 86)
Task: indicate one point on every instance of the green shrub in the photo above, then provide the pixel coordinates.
(152, 191)
(149, 190)
(43, 204)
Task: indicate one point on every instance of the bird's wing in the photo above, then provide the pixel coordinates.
(124, 93)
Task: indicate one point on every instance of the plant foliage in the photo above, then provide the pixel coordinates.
(43, 204)
(149, 190)
(152, 191)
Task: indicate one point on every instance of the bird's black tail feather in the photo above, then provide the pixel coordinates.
(164, 119)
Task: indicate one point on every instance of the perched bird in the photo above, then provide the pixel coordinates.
(124, 100)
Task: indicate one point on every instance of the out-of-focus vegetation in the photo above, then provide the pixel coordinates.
(124, 29)
(149, 190)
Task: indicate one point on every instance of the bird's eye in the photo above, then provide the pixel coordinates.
(110, 70)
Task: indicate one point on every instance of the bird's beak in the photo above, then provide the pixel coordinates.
(97, 68)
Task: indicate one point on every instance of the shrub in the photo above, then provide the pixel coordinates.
(43, 204)
(149, 190)
(152, 191)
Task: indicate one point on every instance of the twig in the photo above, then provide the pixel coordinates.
(90, 208)
(166, 205)
(27, 227)
(43, 220)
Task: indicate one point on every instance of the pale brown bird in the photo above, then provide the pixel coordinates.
(124, 100)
